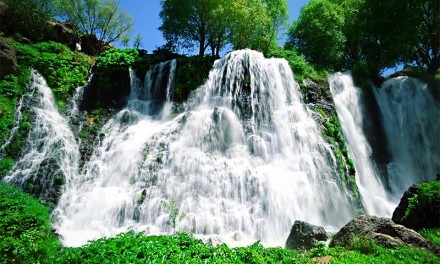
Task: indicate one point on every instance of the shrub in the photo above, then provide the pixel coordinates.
(25, 232)
(428, 193)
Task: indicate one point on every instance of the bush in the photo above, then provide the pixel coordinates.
(25, 232)
(428, 193)
(117, 59)
(300, 67)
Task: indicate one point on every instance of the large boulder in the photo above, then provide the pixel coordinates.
(383, 231)
(428, 216)
(8, 58)
(304, 236)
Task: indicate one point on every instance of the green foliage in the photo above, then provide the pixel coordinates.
(318, 33)
(191, 72)
(345, 167)
(6, 165)
(63, 69)
(170, 207)
(300, 67)
(242, 23)
(117, 59)
(26, 17)
(367, 36)
(181, 248)
(25, 232)
(105, 19)
(420, 204)
(432, 234)
(366, 251)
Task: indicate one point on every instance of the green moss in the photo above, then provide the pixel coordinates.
(26, 235)
(333, 134)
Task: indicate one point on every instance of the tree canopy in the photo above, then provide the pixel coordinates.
(370, 35)
(214, 23)
(104, 19)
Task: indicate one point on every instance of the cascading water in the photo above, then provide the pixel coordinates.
(243, 162)
(411, 120)
(351, 111)
(50, 153)
(102, 200)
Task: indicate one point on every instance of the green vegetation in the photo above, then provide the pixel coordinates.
(368, 36)
(63, 69)
(25, 17)
(191, 72)
(103, 19)
(300, 67)
(243, 23)
(25, 232)
(26, 237)
(170, 207)
(181, 248)
(333, 134)
(427, 194)
(432, 234)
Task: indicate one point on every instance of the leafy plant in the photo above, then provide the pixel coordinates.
(427, 193)
(171, 208)
(432, 234)
(25, 232)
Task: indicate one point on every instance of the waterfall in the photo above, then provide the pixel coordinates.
(351, 111)
(50, 155)
(243, 161)
(411, 120)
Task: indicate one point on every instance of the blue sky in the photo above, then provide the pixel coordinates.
(147, 21)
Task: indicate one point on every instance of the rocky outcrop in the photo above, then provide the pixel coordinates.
(382, 231)
(417, 221)
(8, 58)
(304, 236)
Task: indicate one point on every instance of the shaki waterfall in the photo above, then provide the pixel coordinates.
(243, 160)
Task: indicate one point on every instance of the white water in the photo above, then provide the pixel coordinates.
(243, 162)
(350, 109)
(50, 149)
(411, 120)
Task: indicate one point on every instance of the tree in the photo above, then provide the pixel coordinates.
(364, 35)
(213, 23)
(103, 19)
(427, 32)
(318, 33)
(186, 22)
(170, 207)
(137, 43)
(26, 17)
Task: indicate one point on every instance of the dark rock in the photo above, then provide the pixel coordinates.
(8, 58)
(417, 221)
(304, 236)
(383, 231)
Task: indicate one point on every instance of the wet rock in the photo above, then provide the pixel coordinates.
(383, 231)
(304, 236)
(417, 221)
(8, 58)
